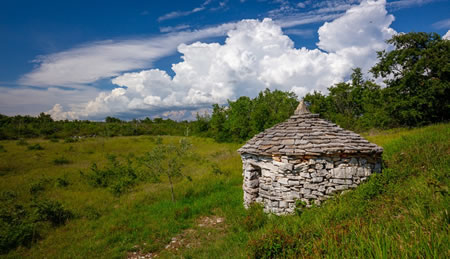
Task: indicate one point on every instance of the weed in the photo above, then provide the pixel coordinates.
(276, 243)
(299, 207)
(255, 217)
(61, 161)
(52, 211)
(2, 149)
(62, 181)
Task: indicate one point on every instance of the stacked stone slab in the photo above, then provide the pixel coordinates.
(304, 158)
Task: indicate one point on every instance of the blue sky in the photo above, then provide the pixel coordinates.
(132, 59)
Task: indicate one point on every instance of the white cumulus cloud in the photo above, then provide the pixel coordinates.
(256, 55)
(446, 36)
(105, 59)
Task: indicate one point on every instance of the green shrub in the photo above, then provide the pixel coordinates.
(2, 148)
(116, 176)
(61, 161)
(52, 211)
(62, 182)
(16, 228)
(255, 217)
(275, 243)
(17, 233)
(35, 147)
(299, 207)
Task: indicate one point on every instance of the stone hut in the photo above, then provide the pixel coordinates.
(304, 158)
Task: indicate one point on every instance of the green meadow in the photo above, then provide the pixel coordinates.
(55, 204)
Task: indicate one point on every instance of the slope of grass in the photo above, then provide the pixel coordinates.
(402, 212)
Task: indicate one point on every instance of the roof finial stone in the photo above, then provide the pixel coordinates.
(301, 108)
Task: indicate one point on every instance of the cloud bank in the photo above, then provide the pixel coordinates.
(256, 55)
(105, 59)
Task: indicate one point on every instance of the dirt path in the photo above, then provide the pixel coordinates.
(189, 238)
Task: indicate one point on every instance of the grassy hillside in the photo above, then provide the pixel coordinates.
(400, 213)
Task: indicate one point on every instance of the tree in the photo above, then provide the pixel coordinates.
(166, 159)
(417, 75)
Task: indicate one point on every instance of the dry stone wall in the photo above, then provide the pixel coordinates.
(277, 182)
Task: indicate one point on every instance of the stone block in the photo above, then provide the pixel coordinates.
(283, 166)
(322, 172)
(310, 186)
(330, 190)
(293, 183)
(283, 204)
(317, 179)
(317, 193)
(319, 166)
(283, 181)
(321, 188)
(343, 172)
(305, 191)
(341, 181)
(305, 175)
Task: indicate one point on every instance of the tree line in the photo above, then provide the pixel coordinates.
(19, 127)
(415, 74)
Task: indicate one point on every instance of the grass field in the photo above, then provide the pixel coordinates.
(401, 213)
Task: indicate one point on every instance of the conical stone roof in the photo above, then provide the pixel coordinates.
(304, 133)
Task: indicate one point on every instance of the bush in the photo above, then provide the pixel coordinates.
(62, 182)
(2, 148)
(35, 147)
(115, 176)
(61, 161)
(53, 211)
(39, 186)
(16, 228)
(276, 243)
(255, 218)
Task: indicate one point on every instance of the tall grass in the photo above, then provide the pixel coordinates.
(402, 212)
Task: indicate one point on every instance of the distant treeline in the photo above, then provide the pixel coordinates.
(417, 92)
(17, 127)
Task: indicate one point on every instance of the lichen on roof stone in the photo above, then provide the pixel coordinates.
(304, 133)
